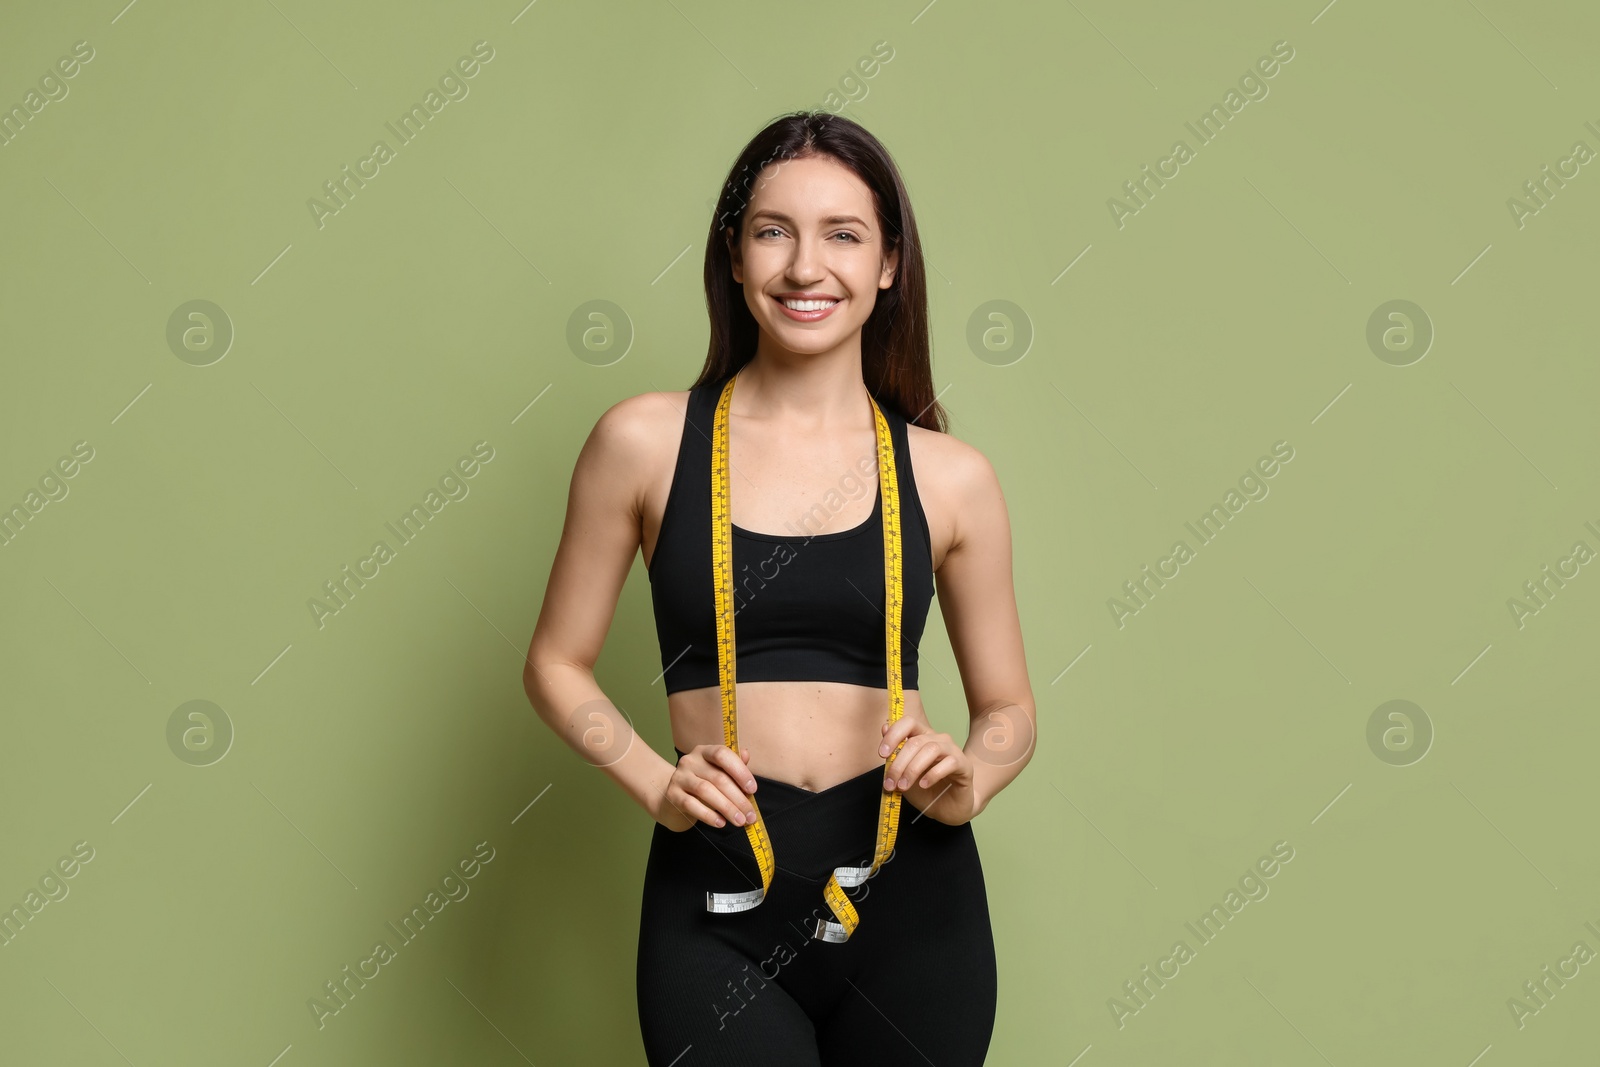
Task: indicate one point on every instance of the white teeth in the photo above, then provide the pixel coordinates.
(808, 305)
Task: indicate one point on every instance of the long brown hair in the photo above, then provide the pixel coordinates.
(895, 361)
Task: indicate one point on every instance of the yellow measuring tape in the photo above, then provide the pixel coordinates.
(722, 567)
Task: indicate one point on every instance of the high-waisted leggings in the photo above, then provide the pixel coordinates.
(915, 983)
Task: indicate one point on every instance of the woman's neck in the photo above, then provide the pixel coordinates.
(812, 392)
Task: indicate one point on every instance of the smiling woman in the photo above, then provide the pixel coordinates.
(803, 698)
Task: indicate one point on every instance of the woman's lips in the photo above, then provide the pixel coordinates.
(807, 316)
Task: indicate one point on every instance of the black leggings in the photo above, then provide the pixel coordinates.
(915, 983)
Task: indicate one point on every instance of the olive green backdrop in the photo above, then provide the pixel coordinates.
(1125, 366)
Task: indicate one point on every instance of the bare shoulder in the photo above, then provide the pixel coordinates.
(639, 423)
(958, 486)
(633, 447)
(629, 436)
(947, 461)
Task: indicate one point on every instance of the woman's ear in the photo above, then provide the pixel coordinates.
(891, 266)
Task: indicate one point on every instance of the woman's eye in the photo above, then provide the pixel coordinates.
(775, 230)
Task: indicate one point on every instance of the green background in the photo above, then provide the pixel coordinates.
(370, 755)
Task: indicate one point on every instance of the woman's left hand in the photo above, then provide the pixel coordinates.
(931, 771)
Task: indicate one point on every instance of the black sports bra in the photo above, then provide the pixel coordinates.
(807, 606)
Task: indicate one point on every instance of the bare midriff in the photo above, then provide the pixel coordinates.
(809, 734)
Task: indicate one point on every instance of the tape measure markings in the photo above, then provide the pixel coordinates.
(722, 571)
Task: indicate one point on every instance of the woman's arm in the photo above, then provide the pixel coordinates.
(978, 600)
(946, 781)
(599, 538)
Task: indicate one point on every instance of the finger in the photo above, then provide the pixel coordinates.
(672, 796)
(895, 732)
(939, 747)
(717, 792)
(729, 797)
(898, 762)
(739, 808)
(687, 803)
(735, 767)
(902, 760)
(736, 799)
(924, 756)
(899, 757)
(939, 772)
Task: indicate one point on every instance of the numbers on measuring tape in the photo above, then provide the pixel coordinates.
(722, 575)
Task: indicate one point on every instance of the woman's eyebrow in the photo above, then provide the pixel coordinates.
(831, 220)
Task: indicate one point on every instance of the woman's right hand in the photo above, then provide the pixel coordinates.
(710, 784)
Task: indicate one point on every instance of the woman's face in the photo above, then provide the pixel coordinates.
(811, 256)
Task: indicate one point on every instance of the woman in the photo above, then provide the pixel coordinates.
(758, 942)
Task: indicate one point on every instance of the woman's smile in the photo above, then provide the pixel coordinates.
(807, 310)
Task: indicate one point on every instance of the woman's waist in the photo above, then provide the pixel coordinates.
(810, 736)
(811, 832)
